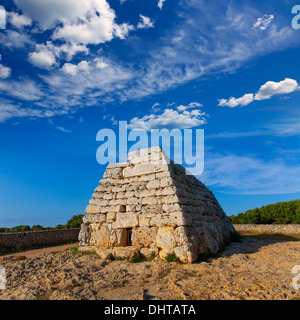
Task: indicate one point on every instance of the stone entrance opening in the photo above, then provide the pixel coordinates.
(129, 236)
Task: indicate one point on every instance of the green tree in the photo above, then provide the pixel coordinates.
(19, 228)
(37, 227)
(75, 221)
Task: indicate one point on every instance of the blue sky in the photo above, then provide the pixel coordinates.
(70, 68)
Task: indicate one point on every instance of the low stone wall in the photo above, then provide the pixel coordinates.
(268, 228)
(15, 241)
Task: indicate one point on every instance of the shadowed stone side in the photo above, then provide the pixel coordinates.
(157, 206)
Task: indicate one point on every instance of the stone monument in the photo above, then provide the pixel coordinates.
(149, 204)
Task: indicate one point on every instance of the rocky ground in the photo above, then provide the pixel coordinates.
(256, 268)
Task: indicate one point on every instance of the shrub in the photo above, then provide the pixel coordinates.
(171, 257)
(74, 250)
(134, 259)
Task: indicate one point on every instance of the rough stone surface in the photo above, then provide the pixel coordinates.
(153, 201)
(255, 269)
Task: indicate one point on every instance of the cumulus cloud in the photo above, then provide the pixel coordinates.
(43, 58)
(4, 71)
(263, 22)
(266, 91)
(82, 22)
(73, 69)
(13, 39)
(169, 119)
(234, 102)
(145, 23)
(19, 20)
(46, 54)
(272, 88)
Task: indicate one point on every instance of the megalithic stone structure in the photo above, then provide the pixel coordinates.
(150, 204)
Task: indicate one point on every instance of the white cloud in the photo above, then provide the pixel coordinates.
(13, 39)
(4, 71)
(73, 69)
(19, 20)
(189, 106)
(243, 174)
(63, 129)
(272, 88)
(81, 22)
(264, 22)
(46, 54)
(160, 3)
(145, 23)
(266, 91)
(100, 64)
(169, 119)
(234, 102)
(43, 58)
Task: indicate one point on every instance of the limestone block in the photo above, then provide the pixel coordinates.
(114, 173)
(117, 203)
(129, 194)
(171, 199)
(103, 236)
(150, 200)
(94, 218)
(185, 254)
(147, 177)
(165, 240)
(178, 218)
(143, 236)
(134, 201)
(97, 195)
(117, 165)
(181, 236)
(118, 188)
(168, 191)
(93, 209)
(141, 169)
(84, 234)
(153, 184)
(111, 216)
(166, 182)
(147, 252)
(163, 174)
(126, 220)
(126, 253)
(104, 254)
(107, 196)
(171, 207)
(144, 222)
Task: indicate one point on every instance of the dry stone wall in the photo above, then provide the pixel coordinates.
(269, 228)
(167, 210)
(12, 241)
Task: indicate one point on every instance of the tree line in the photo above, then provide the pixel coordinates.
(278, 213)
(72, 223)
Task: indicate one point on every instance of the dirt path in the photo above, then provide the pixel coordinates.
(256, 268)
(36, 252)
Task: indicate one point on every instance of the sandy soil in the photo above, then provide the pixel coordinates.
(256, 268)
